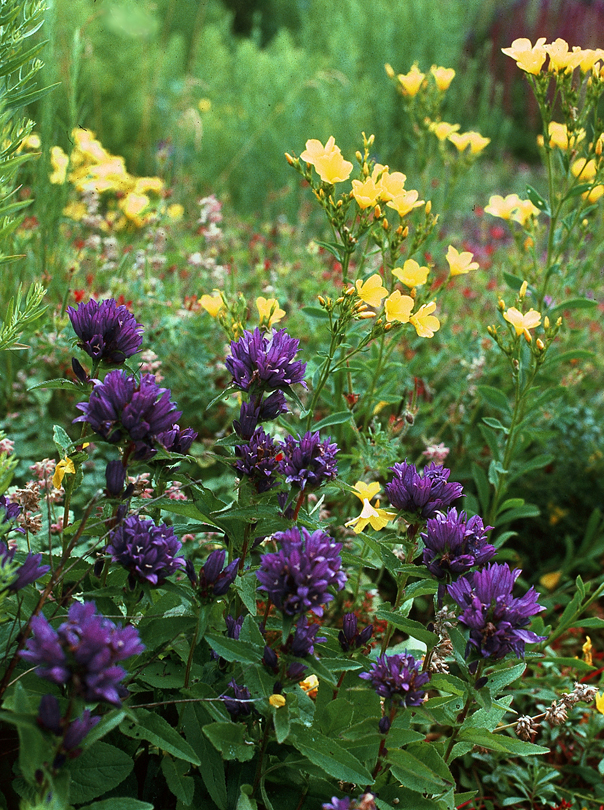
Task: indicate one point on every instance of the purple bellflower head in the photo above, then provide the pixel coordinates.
(398, 678)
(241, 704)
(115, 478)
(495, 618)
(177, 439)
(9, 512)
(364, 802)
(261, 362)
(258, 460)
(349, 636)
(13, 578)
(454, 544)
(106, 331)
(214, 578)
(259, 409)
(121, 409)
(307, 461)
(73, 733)
(421, 495)
(304, 639)
(297, 577)
(148, 552)
(83, 653)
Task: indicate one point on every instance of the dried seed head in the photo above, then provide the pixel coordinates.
(526, 727)
(557, 714)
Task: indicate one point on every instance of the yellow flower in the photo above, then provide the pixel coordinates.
(600, 703)
(583, 168)
(460, 263)
(146, 184)
(32, 142)
(442, 76)
(560, 137)
(269, 311)
(442, 129)
(392, 184)
(594, 194)
(310, 685)
(551, 580)
(398, 307)
(366, 491)
(411, 274)
(371, 291)
(332, 168)
(212, 303)
(425, 323)
(560, 58)
(373, 515)
(175, 212)
(502, 207)
(133, 206)
(476, 141)
(522, 323)
(59, 162)
(87, 148)
(412, 81)
(525, 211)
(64, 466)
(277, 701)
(110, 175)
(587, 651)
(589, 57)
(404, 203)
(315, 149)
(529, 58)
(366, 193)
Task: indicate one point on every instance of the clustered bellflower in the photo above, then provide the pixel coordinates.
(453, 543)
(307, 461)
(13, 579)
(258, 410)
(147, 551)
(297, 577)
(398, 677)
(257, 460)
(214, 578)
(495, 618)
(349, 636)
(261, 362)
(421, 494)
(107, 332)
(73, 732)
(123, 409)
(83, 653)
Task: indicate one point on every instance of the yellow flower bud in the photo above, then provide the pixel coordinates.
(289, 159)
(385, 224)
(599, 147)
(523, 290)
(389, 71)
(428, 207)
(491, 330)
(388, 327)
(540, 345)
(365, 315)
(546, 322)
(322, 301)
(405, 231)
(501, 304)
(277, 701)
(377, 212)
(559, 322)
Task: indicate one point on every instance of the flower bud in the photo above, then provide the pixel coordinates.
(523, 290)
(289, 159)
(540, 345)
(428, 207)
(389, 70)
(377, 212)
(546, 322)
(385, 224)
(559, 322)
(322, 300)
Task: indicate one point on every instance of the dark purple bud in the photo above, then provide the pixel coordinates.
(79, 370)
(270, 658)
(49, 714)
(190, 572)
(233, 626)
(481, 682)
(77, 731)
(384, 725)
(115, 476)
(214, 565)
(295, 671)
(237, 706)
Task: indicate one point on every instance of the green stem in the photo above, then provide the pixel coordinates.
(463, 715)
(401, 583)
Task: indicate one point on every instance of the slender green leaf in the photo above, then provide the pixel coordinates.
(157, 730)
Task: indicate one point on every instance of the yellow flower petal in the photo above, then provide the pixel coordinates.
(411, 274)
(366, 491)
(405, 203)
(551, 580)
(315, 149)
(442, 76)
(332, 168)
(412, 81)
(425, 323)
(366, 193)
(64, 466)
(600, 703)
(392, 184)
(377, 518)
(460, 263)
(277, 701)
(529, 58)
(442, 129)
(398, 307)
(522, 323)
(371, 291)
(269, 310)
(212, 304)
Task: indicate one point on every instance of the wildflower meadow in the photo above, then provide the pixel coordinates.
(300, 499)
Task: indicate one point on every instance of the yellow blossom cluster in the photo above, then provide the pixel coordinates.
(531, 58)
(513, 208)
(473, 141)
(412, 82)
(90, 167)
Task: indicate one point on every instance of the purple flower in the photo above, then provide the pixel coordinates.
(83, 653)
(349, 636)
(257, 460)
(364, 802)
(147, 551)
(421, 495)
(261, 362)
(49, 714)
(257, 410)
(298, 575)
(122, 409)
(107, 331)
(177, 439)
(307, 461)
(303, 642)
(495, 618)
(233, 626)
(115, 478)
(8, 513)
(16, 578)
(454, 544)
(49, 718)
(398, 677)
(77, 731)
(214, 578)
(237, 706)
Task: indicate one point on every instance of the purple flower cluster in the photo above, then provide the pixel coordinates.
(307, 461)
(297, 577)
(214, 578)
(421, 495)
(258, 460)
(261, 362)
(398, 677)
(495, 618)
(147, 551)
(122, 409)
(177, 439)
(364, 802)
(454, 544)
(259, 409)
(73, 733)
(107, 331)
(14, 578)
(304, 639)
(349, 636)
(241, 704)
(83, 653)
(8, 513)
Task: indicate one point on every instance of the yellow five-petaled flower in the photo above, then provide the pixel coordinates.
(64, 466)
(460, 263)
(522, 323)
(374, 516)
(371, 291)
(269, 310)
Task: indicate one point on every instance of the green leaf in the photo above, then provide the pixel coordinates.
(182, 786)
(316, 312)
(330, 756)
(229, 739)
(513, 282)
(537, 200)
(63, 442)
(482, 485)
(419, 767)
(573, 303)
(119, 803)
(495, 424)
(564, 661)
(335, 419)
(157, 730)
(245, 802)
(495, 398)
(212, 772)
(281, 723)
(565, 357)
(500, 742)
(100, 768)
(334, 249)
(410, 626)
(528, 510)
(246, 587)
(234, 649)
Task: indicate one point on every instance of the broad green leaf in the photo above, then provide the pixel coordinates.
(58, 383)
(63, 442)
(157, 730)
(194, 718)
(234, 649)
(419, 767)
(335, 419)
(494, 423)
(316, 312)
(119, 803)
(482, 485)
(330, 756)
(281, 723)
(100, 768)
(565, 357)
(229, 739)
(182, 786)
(573, 303)
(494, 397)
(500, 742)
(537, 199)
